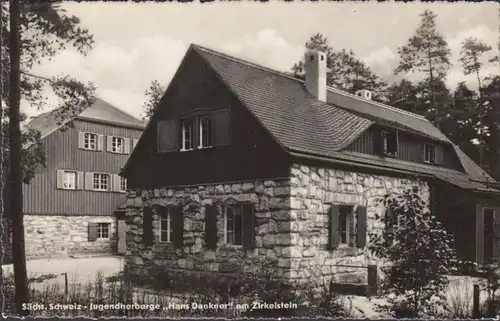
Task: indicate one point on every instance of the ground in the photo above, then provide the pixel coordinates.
(79, 270)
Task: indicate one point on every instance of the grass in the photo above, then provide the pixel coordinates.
(106, 297)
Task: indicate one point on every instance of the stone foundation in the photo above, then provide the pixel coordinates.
(291, 232)
(61, 236)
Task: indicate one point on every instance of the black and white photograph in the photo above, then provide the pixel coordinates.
(247, 159)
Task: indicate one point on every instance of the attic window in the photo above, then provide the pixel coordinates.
(322, 57)
(312, 57)
(390, 143)
(429, 153)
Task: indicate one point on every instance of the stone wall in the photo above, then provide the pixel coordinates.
(58, 236)
(291, 230)
(271, 201)
(313, 190)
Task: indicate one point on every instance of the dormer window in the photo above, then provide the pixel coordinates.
(390, 143)
(187, 135)
(429, 153)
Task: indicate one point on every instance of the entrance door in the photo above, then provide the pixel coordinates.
(122, 237)
(489, 234)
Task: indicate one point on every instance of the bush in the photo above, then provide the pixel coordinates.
(421, 254)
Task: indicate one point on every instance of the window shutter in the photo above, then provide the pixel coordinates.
(378, 142)
(211, 237)
(147, 226)
(177, 220)
(134, 143)
(168, 135)
(126, 146)
(109, 143)
(221, 127)
(92, 232)
(89, 181)
(81, 139)
(115, 184)
(333, 231)
(79, 180)
(438, 154)
(361, 226)
(100, 142)
(60, 178)
(248, 221)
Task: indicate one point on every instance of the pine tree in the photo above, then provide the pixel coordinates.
(427, 52)
(346, 72)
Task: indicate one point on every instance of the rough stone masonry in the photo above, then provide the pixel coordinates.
(291, 229)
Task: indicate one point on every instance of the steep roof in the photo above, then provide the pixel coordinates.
(307, 127)
(101, 110)
(285, 108)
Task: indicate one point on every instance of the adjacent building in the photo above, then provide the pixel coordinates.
(74, 205)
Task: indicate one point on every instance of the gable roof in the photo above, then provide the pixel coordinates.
(305, 126)
(48, 122)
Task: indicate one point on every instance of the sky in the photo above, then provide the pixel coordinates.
(136, 43)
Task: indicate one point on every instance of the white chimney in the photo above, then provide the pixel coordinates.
(315, 67)
(363, 93)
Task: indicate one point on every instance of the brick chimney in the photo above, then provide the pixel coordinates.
(315, 67)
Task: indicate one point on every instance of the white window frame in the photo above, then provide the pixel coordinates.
(100, 229)
(90, 141)
(240, 208)
(123, 184)
(66, 175)
(430, 160)
(100, 181)
(183, 128)
(169, 231)
(117, 144)
(201, 128)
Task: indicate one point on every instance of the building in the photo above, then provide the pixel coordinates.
(74, 205)
(241, 162)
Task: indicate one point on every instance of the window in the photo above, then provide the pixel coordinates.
(165, 227)
(90, 141)
(429, 153)
(233, 225)
(69, 180)
(103, 230)
(187, 135)
(345, 226)
(390, 143)
(204, 126)
(101, 182)
(117, 144)
(123, 184)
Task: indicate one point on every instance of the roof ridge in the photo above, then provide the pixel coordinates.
(117, 108)
(404, 112)
(245, 62)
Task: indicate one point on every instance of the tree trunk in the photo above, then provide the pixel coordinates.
(16, 200)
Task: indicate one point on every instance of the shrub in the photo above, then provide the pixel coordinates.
(421, 254)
